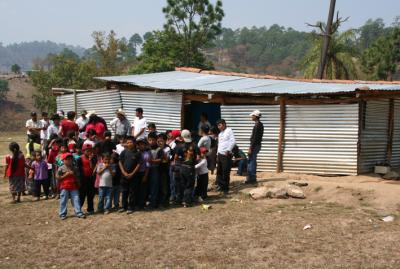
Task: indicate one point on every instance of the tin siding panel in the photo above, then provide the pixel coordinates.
(374, 135)
(396, 136)
(164, 109)
(321, 139)
(238, 119)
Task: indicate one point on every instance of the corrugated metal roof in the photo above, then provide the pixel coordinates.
(213, 83)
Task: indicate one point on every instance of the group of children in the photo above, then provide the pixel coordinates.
(127, 174)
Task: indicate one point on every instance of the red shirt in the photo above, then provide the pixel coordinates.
(68, 183)
(53, 153)
(98, 127)
(67, 126)
(19, 170)
(87, 170)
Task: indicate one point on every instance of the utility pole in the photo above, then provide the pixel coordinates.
(327, 37)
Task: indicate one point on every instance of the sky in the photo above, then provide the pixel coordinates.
(73, 21)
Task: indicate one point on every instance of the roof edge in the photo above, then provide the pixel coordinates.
(235, 74)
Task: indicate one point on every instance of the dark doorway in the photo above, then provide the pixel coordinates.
(193, 111)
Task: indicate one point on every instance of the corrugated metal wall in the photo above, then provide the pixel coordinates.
(321, 139)
(396, 135)
(105, 103)
(374, 134)
(164, 109)
(237, 118)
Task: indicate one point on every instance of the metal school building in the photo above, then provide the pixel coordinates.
(311, 126)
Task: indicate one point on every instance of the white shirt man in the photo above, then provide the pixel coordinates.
(33, 125)
(81, 122)
(139, 125)
(226, 141)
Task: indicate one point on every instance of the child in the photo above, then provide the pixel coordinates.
(129, 163)
(143, 173)
(107, 145)
(106, 173)
(240, 160)
(90, 138)
(71, 141)
(121, 146)
(15, 171)
(67, 176)
(41, 176)
(202, 175)
(116, 180)
(86, 165)
(164, 170)
(54, 148)
(154, 173)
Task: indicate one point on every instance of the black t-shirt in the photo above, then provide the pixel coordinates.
(182, 151)
(107, 146)
(116, 179)
(130, 159)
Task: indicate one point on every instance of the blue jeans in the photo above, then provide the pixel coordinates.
(241, 166)
(115, 194)
(252, 165)
(74, 196)
(104, 194)
(154, 186)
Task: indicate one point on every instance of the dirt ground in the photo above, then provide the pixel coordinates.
(237, 232)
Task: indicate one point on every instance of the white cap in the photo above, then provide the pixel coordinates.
(256, 113)
(187, 136)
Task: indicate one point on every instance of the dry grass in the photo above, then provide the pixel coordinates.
(236, 233)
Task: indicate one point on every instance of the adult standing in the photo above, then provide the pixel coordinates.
(121, 125)
(226, 142)
(255, 147)
(96, 123)
(81, 122)
(68, 125)
(33, 126)
(139, 125)
(54, 127)
(203, 122)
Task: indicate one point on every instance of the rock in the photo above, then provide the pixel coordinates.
(388, 219)
(299, 184)
(258, 193)
(278, 193)
(295, 192)
(391, 175)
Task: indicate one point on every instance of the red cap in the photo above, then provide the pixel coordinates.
(65, 155)
(86, 146)
(203, 150)
(175, 133)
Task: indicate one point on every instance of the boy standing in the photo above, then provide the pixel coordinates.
(154, 174)
(86, 164)
(164, 169)
(129, 163)
(105, 172)
(67, 176)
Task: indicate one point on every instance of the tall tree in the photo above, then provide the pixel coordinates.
(382, 59)
(196, 23)
(134, 43)
(341, 54)
(16, 69)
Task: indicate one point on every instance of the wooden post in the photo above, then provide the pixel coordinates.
(279, 163)
(389, 151)
(75, 103)
(361, 107)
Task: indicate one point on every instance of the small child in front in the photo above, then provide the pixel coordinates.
(106, 173)
(41, 176)
(68, 179)
(202, 175)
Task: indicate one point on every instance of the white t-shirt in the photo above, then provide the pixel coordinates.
(81, 122)
(31, 124)
(106, 176)
(139, 124)
(53, 129)
(119, 149)
(43, 133)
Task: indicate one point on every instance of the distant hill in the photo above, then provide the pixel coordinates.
(25, 53)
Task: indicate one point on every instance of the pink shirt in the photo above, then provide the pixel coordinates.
(99, 128)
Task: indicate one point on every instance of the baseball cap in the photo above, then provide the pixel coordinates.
(187, 136)
(203, 150)
(66, 155)
(86, 146)
(175, 133)
(256, 113)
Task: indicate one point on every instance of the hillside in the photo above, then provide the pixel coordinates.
(15, 111)
(25, 53)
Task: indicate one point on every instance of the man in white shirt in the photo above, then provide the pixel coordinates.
(33, 126)
(81, 122)
(226, 142)
(139, 125)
